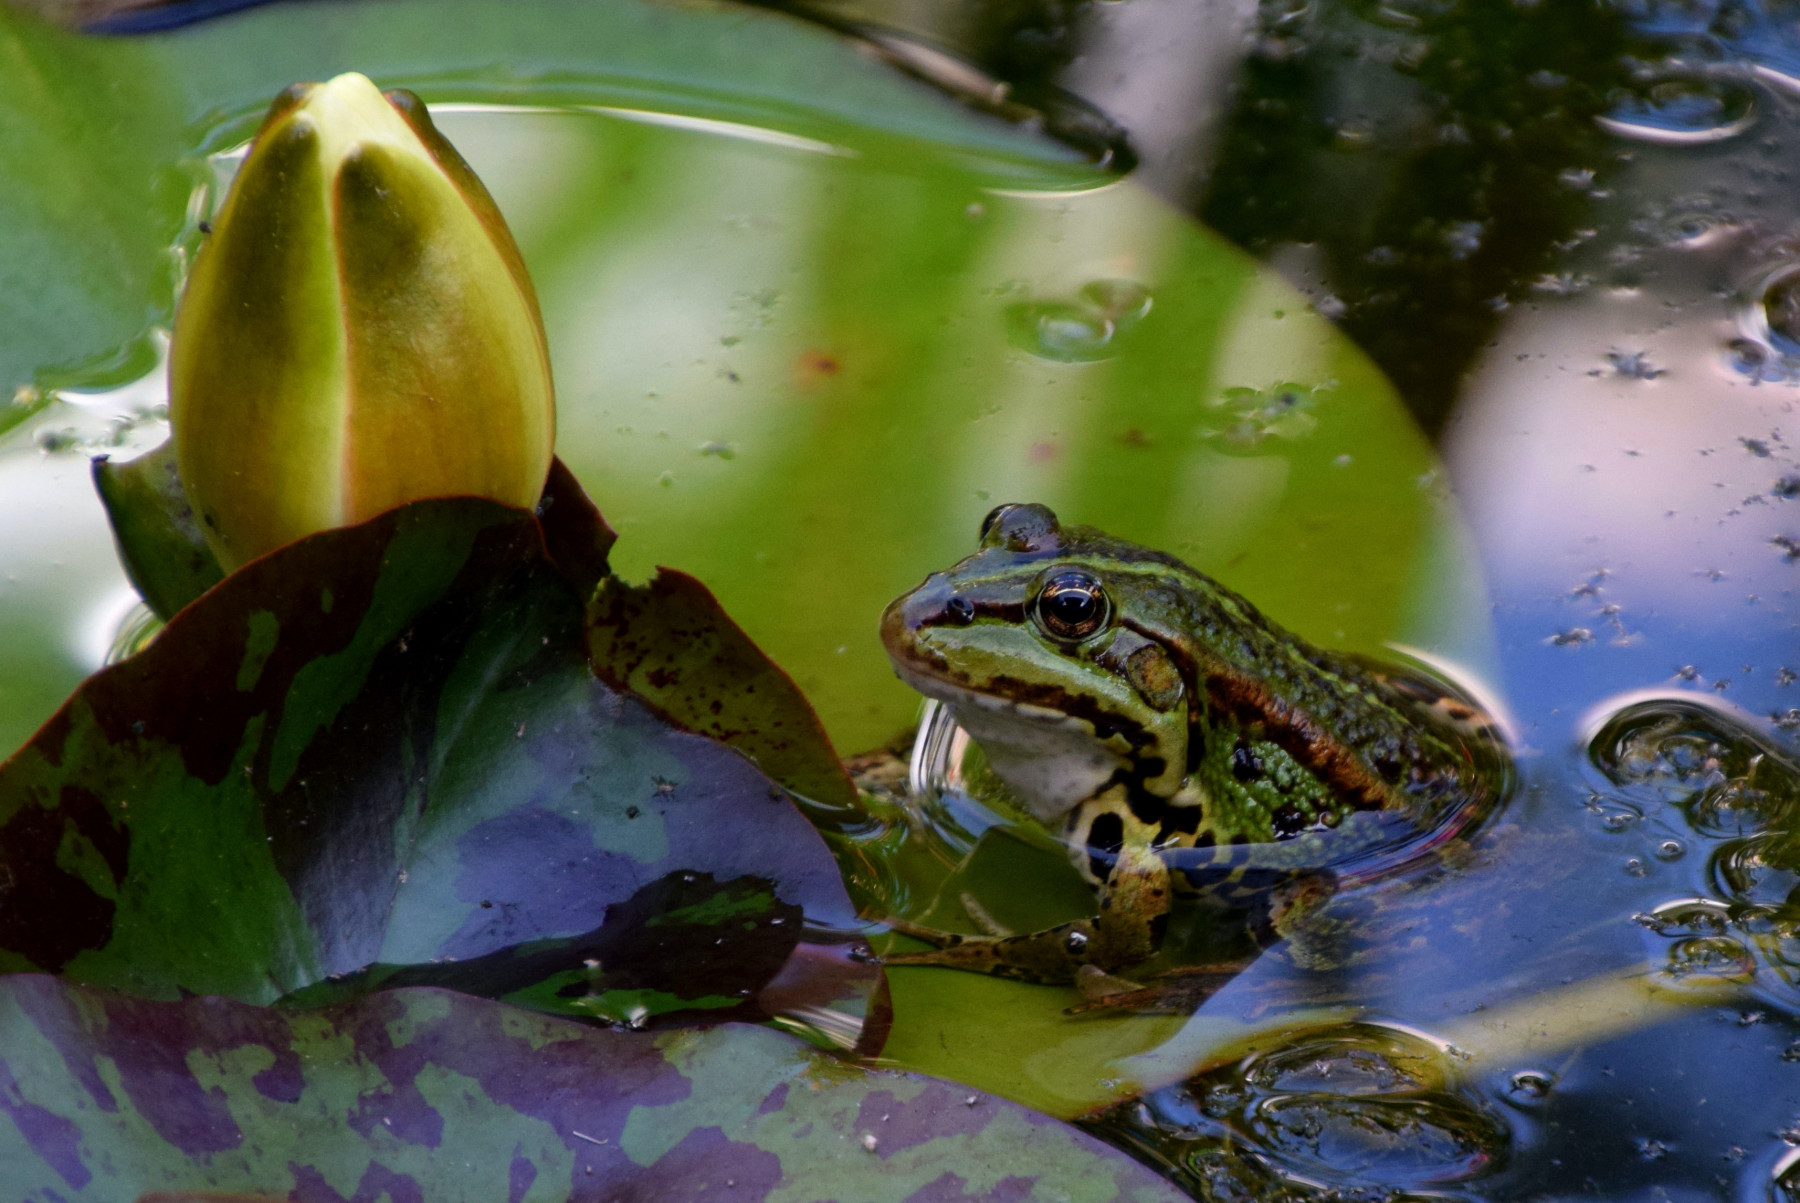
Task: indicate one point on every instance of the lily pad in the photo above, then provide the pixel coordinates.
(672, 643)
(428, 1094)
(381, 750)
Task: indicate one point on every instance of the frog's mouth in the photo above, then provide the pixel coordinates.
(1054, 761)
(1053, 758)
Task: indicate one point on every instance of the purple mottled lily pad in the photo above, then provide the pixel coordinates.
(380, 755)
(430, 1094)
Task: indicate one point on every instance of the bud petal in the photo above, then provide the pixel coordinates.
(358, 331)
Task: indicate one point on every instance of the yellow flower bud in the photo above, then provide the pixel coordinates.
(358, 331)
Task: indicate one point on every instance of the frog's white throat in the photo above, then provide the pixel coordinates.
(1052, 761)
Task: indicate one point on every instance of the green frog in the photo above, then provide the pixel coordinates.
(1175, 739)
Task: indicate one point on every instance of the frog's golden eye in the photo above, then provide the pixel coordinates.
(1071, 605)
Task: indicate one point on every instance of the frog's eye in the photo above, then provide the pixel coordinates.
(1071, 605)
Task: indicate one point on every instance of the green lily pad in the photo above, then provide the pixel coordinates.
(426, 1094)
(380, 752)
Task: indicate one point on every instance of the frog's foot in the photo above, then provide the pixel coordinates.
(1132, 905)
(1178, 992)
(1052, 956)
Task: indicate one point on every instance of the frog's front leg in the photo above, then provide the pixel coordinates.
(1133, 900)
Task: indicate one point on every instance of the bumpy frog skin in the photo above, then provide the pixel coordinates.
(1138, 708)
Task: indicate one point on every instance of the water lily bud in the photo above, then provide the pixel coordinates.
(358, 331)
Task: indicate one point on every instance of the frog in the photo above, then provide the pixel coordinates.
(1176, 741)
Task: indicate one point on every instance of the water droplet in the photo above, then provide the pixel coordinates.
(1684, 111)
(1124, 302)
(139, 626)
(1065, 333)
(1617, 821)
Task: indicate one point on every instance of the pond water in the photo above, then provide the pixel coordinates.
(806, 335)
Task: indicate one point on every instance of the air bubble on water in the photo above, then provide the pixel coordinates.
(1572, 637)
(1692, 229)
(1785, 1187)
(718, 449)
(1689, 917)
(1065, 333)
(1634, 867)
(1747, 357)
(1769, 325)
(1710, 957)
(1687, 110)
(1780, 303)
(1530, 1084)
(1670, 850)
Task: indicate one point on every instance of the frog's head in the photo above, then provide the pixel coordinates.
(1031, 642)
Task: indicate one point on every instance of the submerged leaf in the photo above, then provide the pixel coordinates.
(425, 1094)
(381, 751)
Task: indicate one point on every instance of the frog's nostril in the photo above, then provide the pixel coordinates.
(961, 610)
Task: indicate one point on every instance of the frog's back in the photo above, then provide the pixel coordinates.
(1300, 758)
